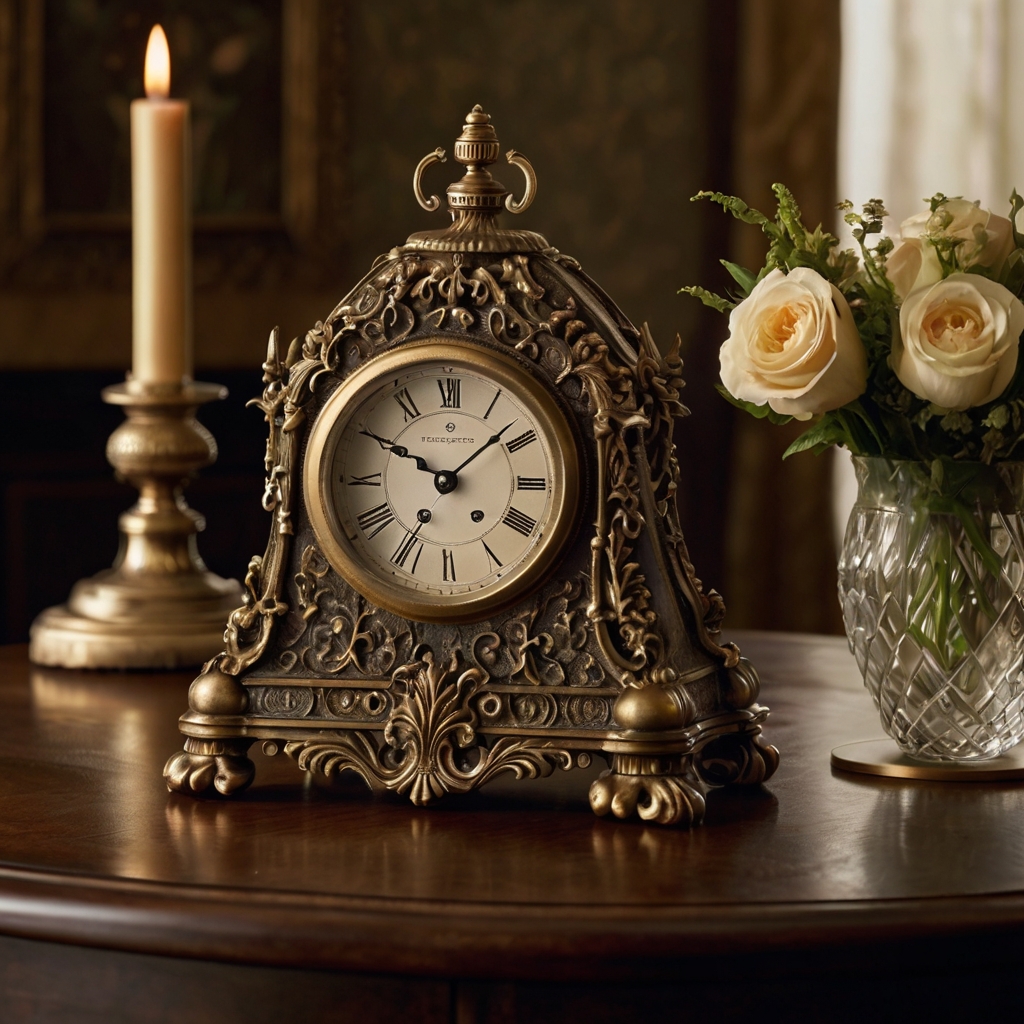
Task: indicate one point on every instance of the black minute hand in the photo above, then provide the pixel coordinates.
(399, 450)
(493, 439)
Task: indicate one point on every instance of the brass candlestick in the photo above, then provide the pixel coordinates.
(158, 606)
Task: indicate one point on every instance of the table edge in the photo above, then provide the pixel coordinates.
(474, 939)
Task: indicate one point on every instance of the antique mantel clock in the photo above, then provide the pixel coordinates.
(475, 564)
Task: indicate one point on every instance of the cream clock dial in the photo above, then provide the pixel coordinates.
(442, 481)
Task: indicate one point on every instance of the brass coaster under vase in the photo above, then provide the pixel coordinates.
(883, 757)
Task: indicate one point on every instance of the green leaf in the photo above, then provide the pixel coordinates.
(1012, 277)
(790, 218)
(743, 277)
(708, 298)
(998, 417)
(901, 440)
(921, 418)
(825, 433)
(739, 210)
(956, 422)
(1016, 205)
(857, 410)
(761, 412)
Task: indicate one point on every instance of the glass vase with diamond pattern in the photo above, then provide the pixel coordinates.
(931, 582)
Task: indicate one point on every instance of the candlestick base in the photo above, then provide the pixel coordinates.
(158, 606)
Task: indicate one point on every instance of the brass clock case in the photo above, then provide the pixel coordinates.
(592, 636)
(560, 521)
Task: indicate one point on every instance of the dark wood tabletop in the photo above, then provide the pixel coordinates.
(520, 883)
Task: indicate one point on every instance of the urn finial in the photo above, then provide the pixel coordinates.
(476, 199)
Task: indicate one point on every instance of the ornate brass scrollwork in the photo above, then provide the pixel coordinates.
(437, 157)
(520, 161)
(618, 653)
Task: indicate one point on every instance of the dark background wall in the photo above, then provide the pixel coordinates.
(625, 108)
(607, 99)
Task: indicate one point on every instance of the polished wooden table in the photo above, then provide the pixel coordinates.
(820, 896)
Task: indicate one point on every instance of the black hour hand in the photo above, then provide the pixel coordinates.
(398, 450)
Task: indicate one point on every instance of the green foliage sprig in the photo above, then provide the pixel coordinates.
(888, 419)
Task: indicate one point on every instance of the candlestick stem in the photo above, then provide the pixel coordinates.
(158, 606)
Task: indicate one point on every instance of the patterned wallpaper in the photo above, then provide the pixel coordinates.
(604, 97)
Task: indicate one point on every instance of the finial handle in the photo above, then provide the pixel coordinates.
(437, 157)
(520, 161)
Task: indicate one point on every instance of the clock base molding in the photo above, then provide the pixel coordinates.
(434, 742)
(431, 618)
(436, 749)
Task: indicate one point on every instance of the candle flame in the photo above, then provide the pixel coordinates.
(158, 65)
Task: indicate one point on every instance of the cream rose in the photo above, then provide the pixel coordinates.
(958, 340)
(913, 264)
(793, 344)
(987, 240)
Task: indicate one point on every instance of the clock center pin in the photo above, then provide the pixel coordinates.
(445, 482)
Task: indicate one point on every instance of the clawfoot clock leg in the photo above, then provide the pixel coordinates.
(739, 758)
(220, 764)
(663, 790)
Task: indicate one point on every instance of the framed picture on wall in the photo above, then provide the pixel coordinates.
(253, 72)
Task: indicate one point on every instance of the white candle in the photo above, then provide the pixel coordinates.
(161, 227)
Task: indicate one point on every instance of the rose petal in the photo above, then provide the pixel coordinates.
(843, 380)
(903, 266)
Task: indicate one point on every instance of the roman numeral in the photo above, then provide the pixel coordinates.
(407, 405)
(519, 521)
(528, 483)
(371, 480)
(491, 556)
(521, 441)
(451, 393)
(449, 566)
(375, 519)
(497, 394)
(406, 547)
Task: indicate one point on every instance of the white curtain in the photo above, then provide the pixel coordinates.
(931, 100)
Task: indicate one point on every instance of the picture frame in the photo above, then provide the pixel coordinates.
(43, 240)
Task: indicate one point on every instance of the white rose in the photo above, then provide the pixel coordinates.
(913, 264)
(964, 219)
(916, 226)
(957, 343)
(793, 344)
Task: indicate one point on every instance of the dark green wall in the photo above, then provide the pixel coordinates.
(604, 97)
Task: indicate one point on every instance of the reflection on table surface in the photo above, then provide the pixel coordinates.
(81, 791)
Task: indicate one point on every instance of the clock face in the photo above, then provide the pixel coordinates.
(442, 481)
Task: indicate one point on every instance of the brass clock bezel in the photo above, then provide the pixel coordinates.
(317, 472)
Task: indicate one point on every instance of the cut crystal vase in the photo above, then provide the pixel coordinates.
(931, 581)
